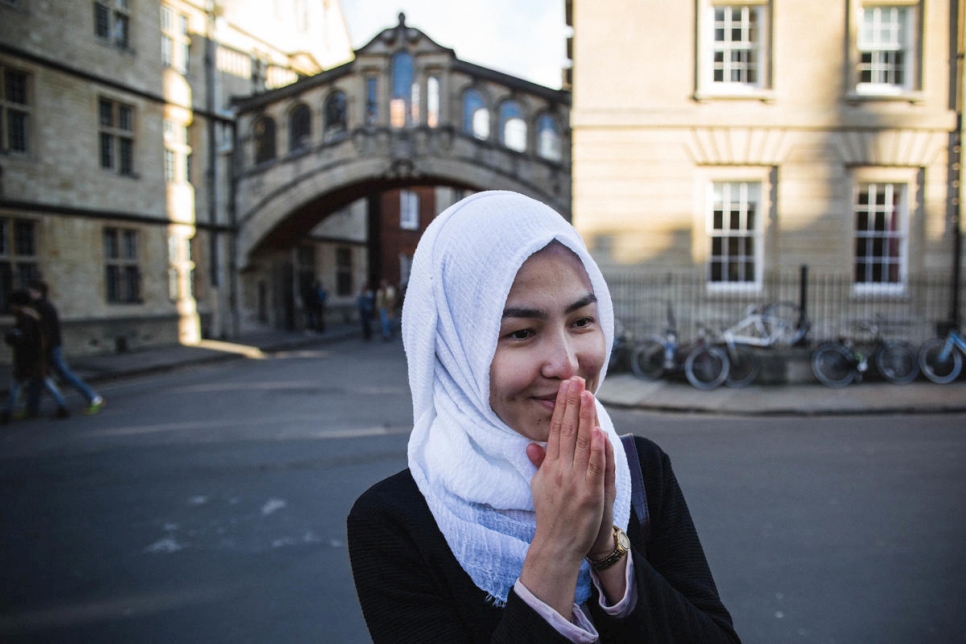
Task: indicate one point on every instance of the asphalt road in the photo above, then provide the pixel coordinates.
(208, 505)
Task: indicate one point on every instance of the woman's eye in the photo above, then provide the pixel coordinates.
(522, 334)
(583, 322)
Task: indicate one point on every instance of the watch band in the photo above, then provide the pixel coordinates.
(621, 543)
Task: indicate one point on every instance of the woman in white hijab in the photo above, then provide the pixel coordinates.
(513, 521)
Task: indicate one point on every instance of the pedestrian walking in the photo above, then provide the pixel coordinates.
(50, 321)
(365, 303)
(521, 517)
(28, 344)
(386, 304)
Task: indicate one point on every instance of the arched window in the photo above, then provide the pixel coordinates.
(400, 104)
(299, 128)
(513, 129)
(335, 115)
(264, 135)
(476, 118)
(548, 138)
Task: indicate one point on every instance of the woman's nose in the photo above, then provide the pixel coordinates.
(560, 359)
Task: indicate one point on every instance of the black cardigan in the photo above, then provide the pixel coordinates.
(412, 589)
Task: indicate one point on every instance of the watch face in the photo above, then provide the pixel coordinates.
(623, 541)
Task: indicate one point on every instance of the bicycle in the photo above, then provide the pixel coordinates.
(778, 324)
(705, 365)
(838, 364)
(939, 359)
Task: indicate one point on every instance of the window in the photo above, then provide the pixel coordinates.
(335, 115)
(513, 129)
(734, 48)
(116, 131)
(122, 276)
(264, 133)
(175, 41)
(14, 111)
(177, 153)
(734, 229)
(18, 256)
(408, 210)
(180, 264)
(343, 271)
(372, 101)
(476, 117)
(880, 211)
(432, 102)
(299, 128)
(548, 138)
(112, 22)
(886, 56)
(401, 105)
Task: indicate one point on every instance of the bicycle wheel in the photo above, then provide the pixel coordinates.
(745, 367)
(781, 322)
(940, 371)
(833, 365)
(706, 367)
(647, 360)
(897, 362)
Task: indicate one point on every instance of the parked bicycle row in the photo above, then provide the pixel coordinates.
(732, 357)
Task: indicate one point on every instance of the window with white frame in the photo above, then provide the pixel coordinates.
(122, 274)
(116, 136)
(175, 41)
(177, 153)
(887, 52)
(408, 210)
(734, 48)
(881, 232)
(112, 22)
(735, 233)
(14, 111)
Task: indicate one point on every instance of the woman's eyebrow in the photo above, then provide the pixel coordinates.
(590, 298)
(523, 312)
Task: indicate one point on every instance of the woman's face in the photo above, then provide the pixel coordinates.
(550, 331)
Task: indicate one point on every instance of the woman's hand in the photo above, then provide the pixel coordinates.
(573, 497)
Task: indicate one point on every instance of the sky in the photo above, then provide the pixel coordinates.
(524, 38)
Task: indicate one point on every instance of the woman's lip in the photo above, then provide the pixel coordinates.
(547, 401)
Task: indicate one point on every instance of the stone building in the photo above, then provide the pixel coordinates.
(116, 148)
(394, 136)
(735, 138)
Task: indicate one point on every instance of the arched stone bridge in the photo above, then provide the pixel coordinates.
(404, 112)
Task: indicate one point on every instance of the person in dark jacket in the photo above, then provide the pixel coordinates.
(514, 519)
(29, 347)
(50, 321)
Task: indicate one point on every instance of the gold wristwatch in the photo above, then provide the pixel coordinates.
(621, 545)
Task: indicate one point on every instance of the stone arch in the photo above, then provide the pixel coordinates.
(287, 211)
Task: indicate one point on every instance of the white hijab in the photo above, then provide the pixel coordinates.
(471, 467)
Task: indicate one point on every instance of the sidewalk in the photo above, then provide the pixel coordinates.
(620, 390)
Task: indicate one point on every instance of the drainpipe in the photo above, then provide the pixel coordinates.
(956, 159)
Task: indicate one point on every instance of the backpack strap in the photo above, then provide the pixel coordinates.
(638, 496)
